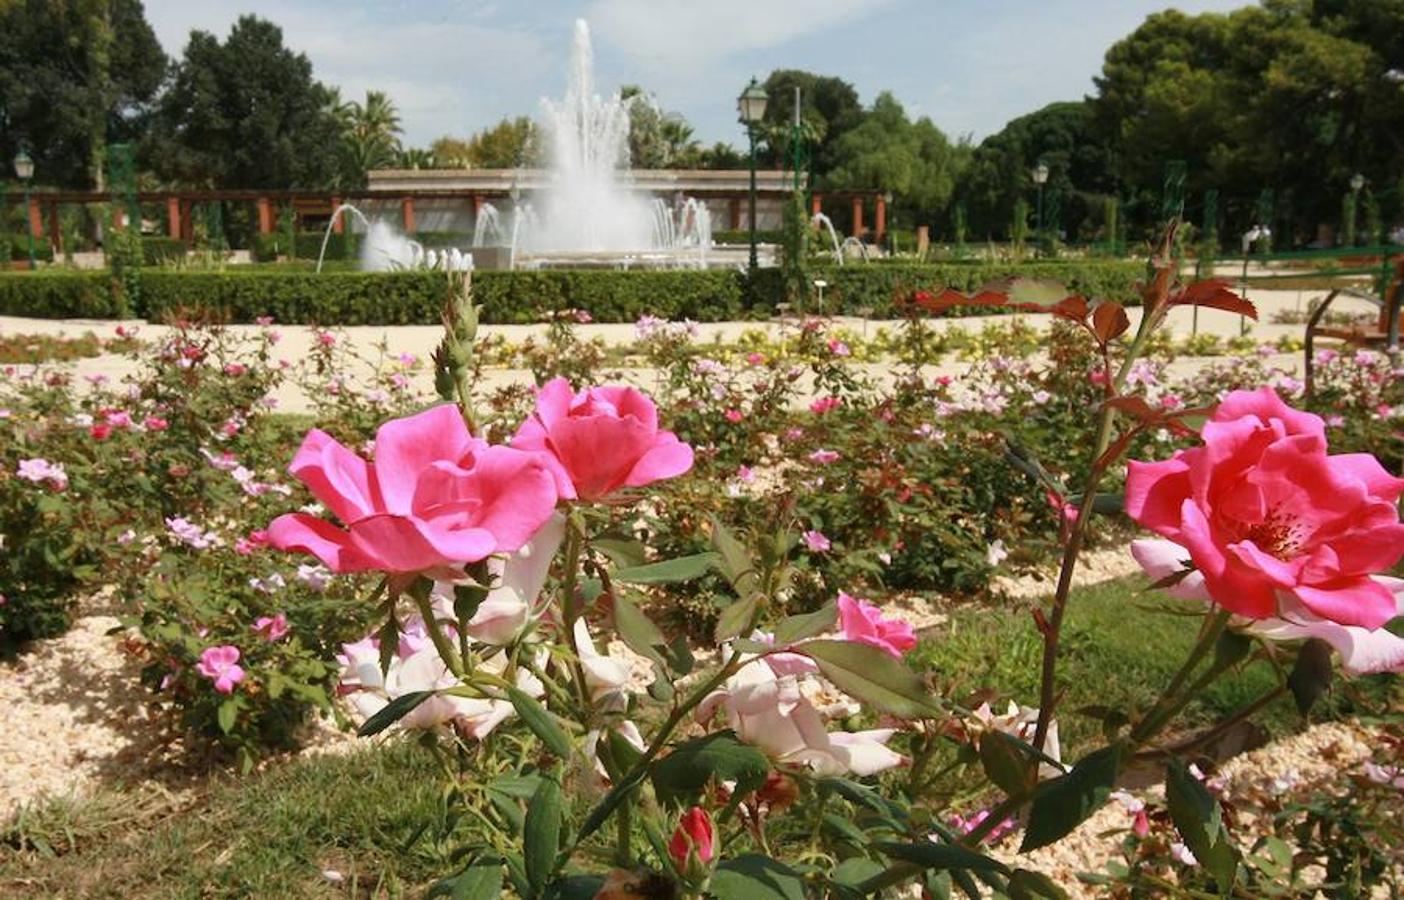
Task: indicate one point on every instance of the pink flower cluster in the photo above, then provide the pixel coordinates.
(40, 470)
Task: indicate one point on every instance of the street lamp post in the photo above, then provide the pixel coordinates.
(1357, 181)
(1039, 175)
(24, 168)
(751, 106)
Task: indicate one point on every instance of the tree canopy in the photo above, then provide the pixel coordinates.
(74, 77)
(246, 113)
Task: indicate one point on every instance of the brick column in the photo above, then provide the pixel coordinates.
(407, 215)
(338, 222)
(55, 229)
(36, 218)
(187, 222)
(816, 204)
(858, 217)
(880, 219)
(265, 215)
(173, 218)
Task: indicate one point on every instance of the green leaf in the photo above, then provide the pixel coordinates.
(736, 618)
(466, 600)
(228, 714)
(1199, 820)
(711, 758)
(541, 835)
(1230, 649)
(871, 676)
(638, 631)
(806, 625)
(1311, 675)
(755, 877)
(540, 722)
(576, 887)
(1007, 765)
(1062, 804)
(624, 552)
(1026, 884)
(931, 855)
(393, 712)
(735, 563)
(683, 568)
(855, 870)
(480, 881)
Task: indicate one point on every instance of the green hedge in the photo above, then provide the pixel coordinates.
(403, 298)
(156, 250)
(743, 237)
(347, 245)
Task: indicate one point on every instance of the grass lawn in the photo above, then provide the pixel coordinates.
(273, 834)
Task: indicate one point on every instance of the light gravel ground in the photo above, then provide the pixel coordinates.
(298, 340)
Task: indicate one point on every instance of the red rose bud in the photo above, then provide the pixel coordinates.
(693, 835)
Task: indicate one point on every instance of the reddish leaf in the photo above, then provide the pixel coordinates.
(949, 298)
(1073, 308)
(1215, 294)
(1136, 407)
(1108, 321)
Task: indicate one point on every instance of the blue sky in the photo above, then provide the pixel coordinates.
(455, 66)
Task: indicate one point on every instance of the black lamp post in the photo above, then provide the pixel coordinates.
(1039, 175)
(751, 106)
(24, 168)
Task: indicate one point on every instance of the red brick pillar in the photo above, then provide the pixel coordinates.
(36, 218)
(816, 204)
(187, 222)
(880, 220)
(407, 215)
(338, 222)
(55, 229)
(173, 218)
(265, 215)
(477, 206)
(858, 217)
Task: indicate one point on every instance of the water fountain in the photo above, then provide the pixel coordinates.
(822, 220)
(487, 227)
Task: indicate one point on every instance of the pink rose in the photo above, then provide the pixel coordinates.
(817, 541)
(271, 628)
(221, 665)
(863, 622)
(601, 439)
(1270, 520)
(435, 498)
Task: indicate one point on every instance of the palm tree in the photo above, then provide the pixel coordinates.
(370, 134)
(416, 158)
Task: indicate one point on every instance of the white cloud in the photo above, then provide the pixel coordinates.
(688, 32)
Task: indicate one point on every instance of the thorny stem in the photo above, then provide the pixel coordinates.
(1053, 630)
(436, 635)
(1175, 698)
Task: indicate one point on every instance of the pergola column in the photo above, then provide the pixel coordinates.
(55, 228)
(36, 218)
(816, 204)
(735, 208)
(173, 218)
(880, 219)
(265, 215)
(338, 222)
(477, 206)
(858, 217)
(407, 215)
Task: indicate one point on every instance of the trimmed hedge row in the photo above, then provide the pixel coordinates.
(405, 298)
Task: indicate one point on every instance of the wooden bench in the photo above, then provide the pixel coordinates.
(1384, 333)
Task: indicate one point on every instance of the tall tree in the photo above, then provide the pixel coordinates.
(886, 151)
(74, 76)
(370, 135)
(507, 145)
(246, 113)
(829, 107)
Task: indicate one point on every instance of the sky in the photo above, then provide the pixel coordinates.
(457, 66)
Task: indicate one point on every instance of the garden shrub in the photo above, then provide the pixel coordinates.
(156, 250)
(404, 298)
